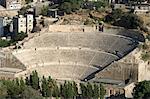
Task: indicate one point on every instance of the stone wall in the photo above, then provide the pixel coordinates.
(120, 71)
(107, 29)
(71, 28)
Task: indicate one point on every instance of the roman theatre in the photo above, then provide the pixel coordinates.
(79, 53)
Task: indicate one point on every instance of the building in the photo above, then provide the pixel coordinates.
(53, 13)
(19, 24)
(5, 25)
(23, 23)
(38, 0)
(8, 25)
(142, 8)
(1, 26)
(118, 1)
(12, 4)
(7, 21)
(29, 22)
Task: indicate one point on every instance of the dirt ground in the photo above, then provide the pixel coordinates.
(81, 16)
(145, 18)
(8, 13)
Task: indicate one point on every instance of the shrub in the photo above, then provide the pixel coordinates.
(148, 37)
(142, 90)
(145, 56)
(129, 21)
(145, 46)
(20, 36)
(114, 16)
(23, 10)
(44, 10)
(88, 22)
(28, 1)
(69, 6)
(124, 19)
(66, 7)
(4, 43)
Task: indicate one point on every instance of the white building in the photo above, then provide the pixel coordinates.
(12, 4)
(29, 22)
(4, 21)
(23, 24)
(38, 0)
(19, 24)
(142, 8)
(7, 20)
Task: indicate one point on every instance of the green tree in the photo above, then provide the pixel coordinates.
(15, 88)
(102, 91)
(44, 87)
(67, 90)
(96, 91)
(69, 6)
(3, 91)
(70, 90)
(115, 15)
(64, 90)
(141, 90)
(124, 19)
(130, 21)
(66, 7)
(50, 87)
(22, 84)
(30, 93)
(35, 80)
(27, 81)
(83, 90)
(89, 90)
(75, 88)
(56, 91)
(100, 4)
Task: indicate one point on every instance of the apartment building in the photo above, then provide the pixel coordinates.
(12, 4)
(29, 22)
(23, 23)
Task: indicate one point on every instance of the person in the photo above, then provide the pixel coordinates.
(101, 26)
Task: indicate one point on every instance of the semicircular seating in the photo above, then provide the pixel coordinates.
(72, 55)
(98, 41)
(69, 56)
(65, 72)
